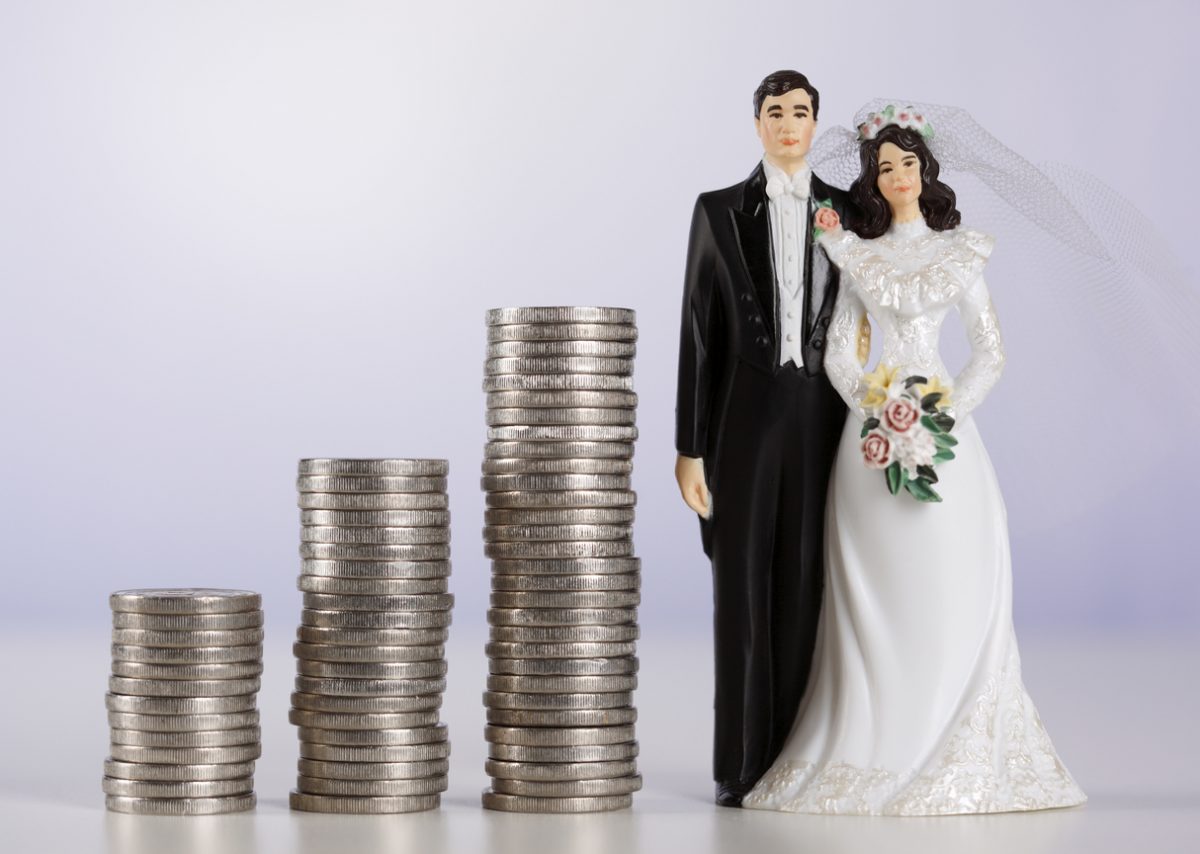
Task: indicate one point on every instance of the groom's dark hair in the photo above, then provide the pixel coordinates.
(782, 82)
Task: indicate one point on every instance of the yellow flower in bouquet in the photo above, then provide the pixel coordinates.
(878, 382)
(934, 386)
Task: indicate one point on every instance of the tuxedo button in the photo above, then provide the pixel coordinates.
(791, 315)
(762, 340)
(747, 298)
(754, 318)
(791, 338)
(825, 322)
(818, 343)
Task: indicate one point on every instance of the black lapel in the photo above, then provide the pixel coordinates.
(812, 313)
(751, 224)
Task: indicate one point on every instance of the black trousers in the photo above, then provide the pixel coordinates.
(768, 476)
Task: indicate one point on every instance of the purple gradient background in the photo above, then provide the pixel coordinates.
(234, 234)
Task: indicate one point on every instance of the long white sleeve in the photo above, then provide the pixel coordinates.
(842, 365)
(984, 367)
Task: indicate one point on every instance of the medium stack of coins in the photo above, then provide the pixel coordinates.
(370, 654)
(186, 668)
(565, 583)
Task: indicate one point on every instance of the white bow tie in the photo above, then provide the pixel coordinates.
(797, 185)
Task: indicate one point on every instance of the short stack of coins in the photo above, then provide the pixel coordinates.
(370, 648)
(182, 701)
(561, 418)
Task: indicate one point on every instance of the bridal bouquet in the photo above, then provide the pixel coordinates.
(907, 431)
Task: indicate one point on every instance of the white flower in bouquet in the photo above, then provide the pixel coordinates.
(915, 447)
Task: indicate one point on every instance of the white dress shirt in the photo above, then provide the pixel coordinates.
(788, 203)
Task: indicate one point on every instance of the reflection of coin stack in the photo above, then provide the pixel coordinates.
(186, 667)
(565, 584)
(370, 655)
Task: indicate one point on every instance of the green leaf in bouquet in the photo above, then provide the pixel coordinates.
(944, 455)
(895, 477)
(944, 421)
(872, 423)
(928, 473)
(930, 401)
(921, 490)
(915, 380)
(930, 424)
(945, 440)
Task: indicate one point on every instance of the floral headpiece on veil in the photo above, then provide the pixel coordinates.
(889, 115)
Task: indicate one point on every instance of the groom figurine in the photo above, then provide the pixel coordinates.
(757, 424)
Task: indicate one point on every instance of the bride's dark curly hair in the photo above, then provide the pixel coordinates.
(874, 215)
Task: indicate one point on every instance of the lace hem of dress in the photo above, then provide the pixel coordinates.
(1000, 759)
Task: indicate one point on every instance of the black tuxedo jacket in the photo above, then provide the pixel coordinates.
(730, 302)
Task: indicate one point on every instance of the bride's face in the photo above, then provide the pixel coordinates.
(899, 176)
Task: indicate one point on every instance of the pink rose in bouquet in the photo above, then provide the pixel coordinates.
(877, 450)
(901, 414)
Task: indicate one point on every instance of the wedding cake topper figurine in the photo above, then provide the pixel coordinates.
(757, 424)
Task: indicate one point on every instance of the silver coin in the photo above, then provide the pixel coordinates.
(185, 600)
(500, 649)
(565, 583)
(561, 314)
(180, 806)
(371, 637)
(199, 738)
(334, 551)
(499, 801)
(132, 705)
(372, 770)
(556, 702)
(393, 753)
(183, 688)
(365, 654)
(376, 467)
(571, 549)
(558, 736)
(376, 569)
(558, 772)
(558, 450)
(569, 466)
(305, 802)
(185, 639)
(568, 566)
(560, 616)
(555, 533)
(362, 722)
(187, 773)
(375, 619)
(359, 484)
(415, 602)
(373, 536)
(365, 705)
(370, 586)
(562, 684)
(600, 349)
(369, 687)
(563, 666)
(371, 788)
(569, 788)
(576, 753)
(373, 501)
(553, 500)
(374, 737)
(187, 622)
(561, 718)
(142, 670)
(197, 789)
(561, 399)
(552, 482)
(561, 332)
(372, 669)
(187, 655)
(558, 382)
(186, 755)
(565, 516)
(567, 599)
(381, 518)
(565, 634)
(182, 723)
(564, 433)
(577, 415)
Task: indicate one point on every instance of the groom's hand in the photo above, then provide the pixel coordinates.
(689, 474)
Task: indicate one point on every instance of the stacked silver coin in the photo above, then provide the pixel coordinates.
(565, 582)
(182, 701)
(370, 649)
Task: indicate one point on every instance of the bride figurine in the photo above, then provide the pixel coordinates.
(915, 705)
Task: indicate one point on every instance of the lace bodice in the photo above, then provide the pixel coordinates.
(908, 280)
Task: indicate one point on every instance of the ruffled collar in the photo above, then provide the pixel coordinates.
(908, 230)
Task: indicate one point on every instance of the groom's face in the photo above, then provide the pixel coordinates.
(785, 124)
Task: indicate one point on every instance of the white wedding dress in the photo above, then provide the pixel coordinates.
(915, 705)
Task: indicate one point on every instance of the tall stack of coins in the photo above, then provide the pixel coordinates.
(186, 667)
(370, 654)
(565, 583)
